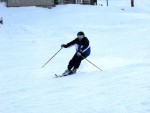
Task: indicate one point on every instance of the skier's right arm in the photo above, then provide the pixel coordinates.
(64, 45)
(69, 44)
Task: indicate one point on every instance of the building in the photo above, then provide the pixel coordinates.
(90, 2)
(17, 3)
(45, 3)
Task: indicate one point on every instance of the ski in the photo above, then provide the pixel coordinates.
(56, 75)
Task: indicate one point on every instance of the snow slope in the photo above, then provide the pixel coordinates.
(120, 46)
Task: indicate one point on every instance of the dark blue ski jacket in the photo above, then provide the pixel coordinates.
(83, 46)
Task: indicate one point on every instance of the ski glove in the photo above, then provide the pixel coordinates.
(64, 45)
(78, 54)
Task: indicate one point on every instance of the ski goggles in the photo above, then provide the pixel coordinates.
(80, 36)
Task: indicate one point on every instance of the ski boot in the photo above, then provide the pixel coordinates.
(66, 72)
(73, 71)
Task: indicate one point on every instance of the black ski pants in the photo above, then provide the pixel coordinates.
(75, 62)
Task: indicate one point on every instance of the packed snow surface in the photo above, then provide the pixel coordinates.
(120, 41)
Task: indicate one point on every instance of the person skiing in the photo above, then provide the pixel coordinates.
(83, 51)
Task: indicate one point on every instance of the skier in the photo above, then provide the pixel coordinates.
(83, 50)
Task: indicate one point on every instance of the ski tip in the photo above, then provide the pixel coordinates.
(56, 75)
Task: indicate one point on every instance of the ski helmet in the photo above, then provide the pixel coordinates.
(81, 33)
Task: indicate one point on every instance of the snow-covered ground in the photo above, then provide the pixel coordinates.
(120, 42)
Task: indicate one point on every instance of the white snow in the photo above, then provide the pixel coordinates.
(120, 42)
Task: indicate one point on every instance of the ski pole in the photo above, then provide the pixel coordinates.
(52, 57)
(91, 63)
